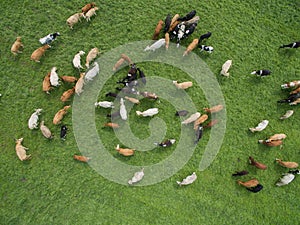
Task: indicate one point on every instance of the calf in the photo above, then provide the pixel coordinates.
(93, 53)
(33, 120)
(79, 84)
(157, 30)
(21, 150)
(90, 13)
(291, 45)
(87, 7)
(72, 20)
(63, 132)
(17, 45)
(49, 38)
(183, 85)
(76, 60)
(290, 165)
(262, 73)
(255, 189)
(81, 158)
(45, 131)
(257, 164)
(208, 49)
(46, 83)
(60, 114)
(250, 183)
(125, 151)
(67, 94)
(38, 53)
(188, 180)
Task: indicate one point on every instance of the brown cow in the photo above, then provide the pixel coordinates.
(38, 53)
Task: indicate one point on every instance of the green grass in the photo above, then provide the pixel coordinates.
(54, 189)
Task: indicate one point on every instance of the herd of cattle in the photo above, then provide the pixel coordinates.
(173, 28)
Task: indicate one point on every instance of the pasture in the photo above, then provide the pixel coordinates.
(53, 188)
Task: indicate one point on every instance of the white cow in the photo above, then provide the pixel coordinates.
(33, 120)
(148, 112)
(188, 180)
(137, 177)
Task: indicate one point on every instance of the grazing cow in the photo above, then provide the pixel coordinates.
(45, 131)
(17, 45)
(81, 158)
(67, 94)
(255, 189)
(181, 113)
(183, 85)
(148, 112)
(105, 104)
(214, 109)
(54, 78)
(157, 30)
(114, 115)
(200, 121)
(292, 98)
(46, 83)
(208, 49)
(188, 180)
(271, 143)
(90, 13)
(192, 118)
(287, 114)
(294, 83)
(290, 165)
(188, 16)
(240, 173)
(165, 143)
(276, 137)
(226, 66)
(93, 53)
(79, 84)
(249, 183)
(87, 7)
(75, 18)
(125, 151)
(111, 94)
(136, 177)
(118, 64)
(112, 125)
(198, 133)
(33, 120)
(133, 100)
(168, 21)
(123, 111)
(60, 114)
(38, 53)
(147, 94)
(211, 123)
(156, 45)
(191, 47)
(257, 164)
(21, 150)
(63, 132)
(261, 73)
(261, 126)
(49, 38)
(89, 76)
(204, 36)
(69, 79)
(287, 178)
(291, 45)
(76, 60)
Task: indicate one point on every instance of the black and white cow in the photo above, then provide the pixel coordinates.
(49, 38)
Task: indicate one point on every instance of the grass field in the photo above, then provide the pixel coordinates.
(52, 188)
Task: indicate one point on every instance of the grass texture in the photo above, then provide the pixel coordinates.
(52, 188)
